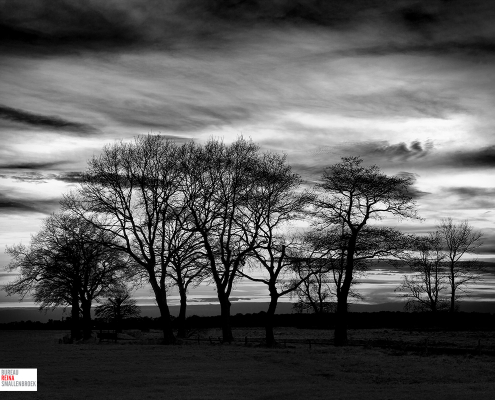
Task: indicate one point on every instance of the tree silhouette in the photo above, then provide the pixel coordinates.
(458, 240)
(324, 264)
(424, 289)
(129, 191)
(278, 204)
(118, 306)
(226, 189)
(351, 195)
(68, 262)
(188, 263)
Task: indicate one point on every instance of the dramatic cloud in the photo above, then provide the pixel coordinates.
(16, 205)
(407, 85)
(480, 158)
(55, 24)
(470, 192)
(69, 177)
(44, 121)
(42, 165)
(394, 152)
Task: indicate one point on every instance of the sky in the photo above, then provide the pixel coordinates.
(406, 85)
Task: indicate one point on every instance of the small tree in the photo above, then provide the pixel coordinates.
(68, 263)
(118, 306)
(316, 294)
(424, 289)
(351, 195)
(457, 241)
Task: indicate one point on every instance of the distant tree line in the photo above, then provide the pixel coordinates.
(172, 214)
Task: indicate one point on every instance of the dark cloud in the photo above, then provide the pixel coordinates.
(472, 197)
(480, 158)
(403, 151)
(469, 192)
(44, 121)
(69, 177)
(422, 154)
(476, 47)
(72, 24)
(17, 205)
(42, 165)
(37, 177)
(383, 150)
(33, 177)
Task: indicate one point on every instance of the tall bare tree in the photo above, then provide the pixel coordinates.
(424, 289)
(279, 202)
(68, 263)
(352, 195)
(459, 240)
(222, 188)
(188, 263)
(129, 191)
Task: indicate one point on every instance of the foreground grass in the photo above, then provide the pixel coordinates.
(125, 371)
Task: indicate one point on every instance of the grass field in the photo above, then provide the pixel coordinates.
(133, 370)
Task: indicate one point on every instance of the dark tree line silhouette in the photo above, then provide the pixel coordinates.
(180, 214)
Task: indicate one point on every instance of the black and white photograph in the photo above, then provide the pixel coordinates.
(247, 199)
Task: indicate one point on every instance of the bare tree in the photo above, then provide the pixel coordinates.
(325, 267)
(352, 195)
(316, 293)
(222, 189)
(459, 240)
(68, 262)
(279, 201)
(118, 306)
(327, 258)
(424, 288)
(129, 191)
(188, 263)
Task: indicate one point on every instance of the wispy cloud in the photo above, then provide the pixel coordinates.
(44, 121)
(472, 197)
(29, 165)
(16, 205)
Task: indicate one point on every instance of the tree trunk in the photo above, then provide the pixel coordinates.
(225, 313)
(118, 319)
(270, 337)
(166, 323)
(87, 323)
(452, 289)
(75, 333)
(340, 337)
(181, 320)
